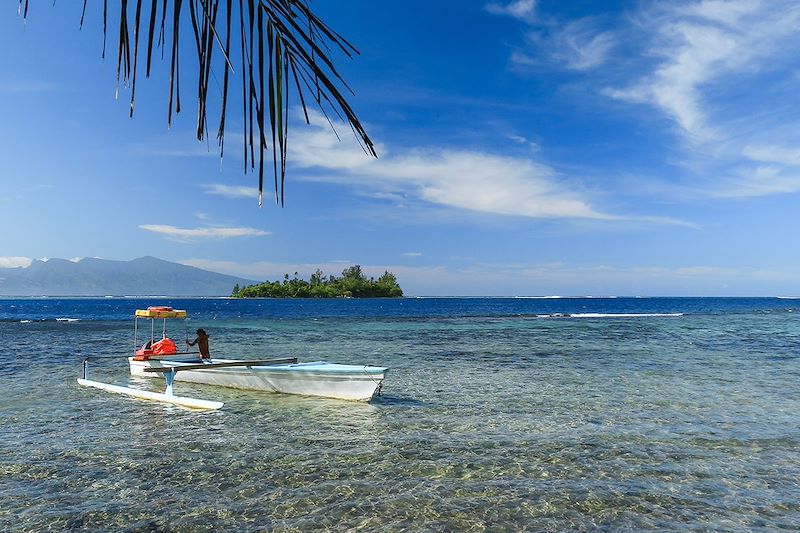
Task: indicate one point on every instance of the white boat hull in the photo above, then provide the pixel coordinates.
(330, 380)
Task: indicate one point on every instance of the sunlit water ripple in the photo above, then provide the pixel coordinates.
(493, 418)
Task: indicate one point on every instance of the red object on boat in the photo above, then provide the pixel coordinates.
(164, 347)
(142, 354)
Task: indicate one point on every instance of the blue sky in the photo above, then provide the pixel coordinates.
(526, 148)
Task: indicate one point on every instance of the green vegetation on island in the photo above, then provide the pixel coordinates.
(352, 284)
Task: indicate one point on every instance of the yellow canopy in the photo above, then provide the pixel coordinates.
(160, 312)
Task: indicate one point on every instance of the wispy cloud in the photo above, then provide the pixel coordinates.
(14, 262)
(232, 191)
(780, 155)
(580, 44)
(722, 72)
(519, 9)
(519, 139)
(193, 234)
(707, 55)
(699, 43)
(412, 254)
(470, 180)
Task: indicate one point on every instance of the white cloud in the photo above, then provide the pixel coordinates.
(775, 169)
(708, 78)
(202, 233)
(460, 179)
(519, 9)
(317, 146)
(694, 55)
(412, 254)
(14, 262)
(726, 12)
(519, 139)
(781, 155)
(581, 46)
(760, 180)
(487, 183)
(232, 191)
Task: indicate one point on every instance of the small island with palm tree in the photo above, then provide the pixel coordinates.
(352, 284)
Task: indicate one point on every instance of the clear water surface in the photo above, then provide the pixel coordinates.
(625, 414)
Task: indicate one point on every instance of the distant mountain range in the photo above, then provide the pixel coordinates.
(101, 277)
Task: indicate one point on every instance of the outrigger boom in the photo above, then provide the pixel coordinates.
(167, 396)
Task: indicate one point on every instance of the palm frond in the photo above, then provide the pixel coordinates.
(296, 59)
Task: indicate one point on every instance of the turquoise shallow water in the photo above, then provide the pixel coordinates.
(496, 415)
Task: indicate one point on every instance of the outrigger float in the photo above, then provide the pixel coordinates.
(286, 375)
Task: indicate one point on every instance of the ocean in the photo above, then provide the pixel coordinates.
(498, 414)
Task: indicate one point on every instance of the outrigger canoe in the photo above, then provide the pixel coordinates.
(319, 378)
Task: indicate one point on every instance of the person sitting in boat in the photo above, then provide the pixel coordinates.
(202, 343)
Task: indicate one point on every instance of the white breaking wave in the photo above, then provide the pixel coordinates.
(621, 315)
(67, 319)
